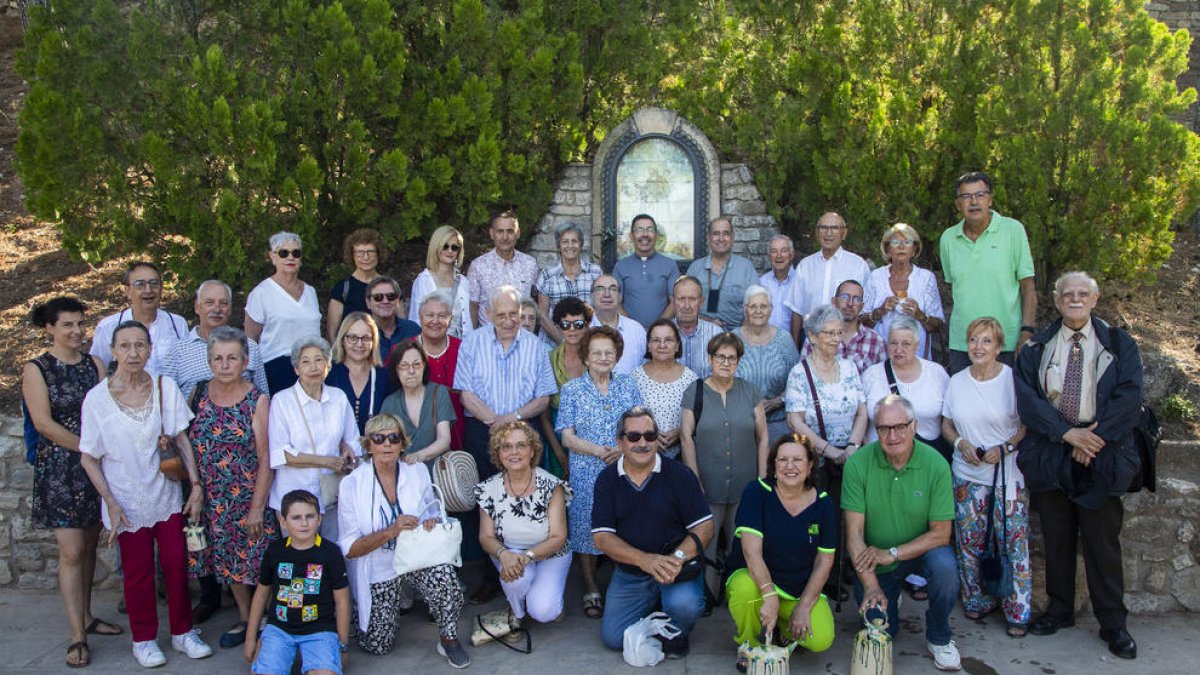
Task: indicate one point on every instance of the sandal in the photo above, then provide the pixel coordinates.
(102, 627)
(593, 605)
(976, 615)
(1018, 630)
(918, 593)
(81, 653)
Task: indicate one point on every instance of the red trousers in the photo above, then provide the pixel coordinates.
(137, 560)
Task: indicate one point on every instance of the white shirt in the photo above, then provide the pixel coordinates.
(925, 393)
(817, 279)
(128, 451)
(781, 315)
(460, 313)
(166, 329)
(633, 335)
(332, 423)
(284, 320)
(985, 415)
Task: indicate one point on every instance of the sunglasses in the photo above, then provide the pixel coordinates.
(380, 297)
(577, 324)
(452, 247)
(285, 252)
(635, 436)
(380, 439)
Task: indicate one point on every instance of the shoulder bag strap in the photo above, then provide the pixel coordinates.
(304, 417)
(812, 387)
(991, 509)
(891, 377)
(162, 418)
(698, 406)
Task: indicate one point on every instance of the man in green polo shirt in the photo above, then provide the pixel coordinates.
(987, 263)
(899, 504)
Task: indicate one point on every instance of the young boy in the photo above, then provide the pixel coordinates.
(304, 580)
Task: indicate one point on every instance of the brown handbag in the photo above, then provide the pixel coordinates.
(169, 462)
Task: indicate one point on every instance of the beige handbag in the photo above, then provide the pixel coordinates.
(455, 475)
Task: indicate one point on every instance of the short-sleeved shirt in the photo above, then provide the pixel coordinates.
(165, 330)
(897, 505)
(490, 270)
(925, 393)
(768, 366)
(646, 285)
(651, 516)
(284, 319)
(187, 364)
(435, 407)
(789, 543)
(817, 279)
(504, 379)
(922, 287)
(839, 400)
(731, 285)
(302, 584)
(985, 415)
(367, 403)
(554, 283)
(985, 277)
(352, 293)
(726, 445)
(522, 522)
(695, 347)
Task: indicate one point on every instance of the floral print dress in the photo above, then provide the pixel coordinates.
(63, 495)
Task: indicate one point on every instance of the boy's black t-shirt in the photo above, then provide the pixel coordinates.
(304, 581)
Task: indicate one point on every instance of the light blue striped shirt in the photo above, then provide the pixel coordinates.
(504, 380)
(768, 366)
(695, 347)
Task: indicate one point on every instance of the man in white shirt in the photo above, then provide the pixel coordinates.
(818, 275)
(143, 287)
(606, 297)
(187, 362)
(778, 280)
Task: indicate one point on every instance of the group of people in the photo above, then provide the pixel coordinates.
(785, 425)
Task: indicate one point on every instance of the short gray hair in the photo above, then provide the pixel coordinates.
(226, 335)
(303, 343)
(280, 238)
(819, 316)
(782, 237)
(1077, 276)
(504, 289)
(905, 322)
(212, 282)
(895, 399)
(563, 228)
(440, 295)
(755, 290)
(634, 412)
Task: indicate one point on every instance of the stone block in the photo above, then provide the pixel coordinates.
(1182, 562)
(5, 535)
(38, 581)
(748, 234)
(28, 558)
(1156, 580)
(758, 221)
(735, 174)
(744, 208)
(1150, 603)
(1186, 532)
(1161, 375)
(21, 476)
(582, 198)
(741, 193)
(1185, 586)
(10, 500)
(6, 576)
(569, 210)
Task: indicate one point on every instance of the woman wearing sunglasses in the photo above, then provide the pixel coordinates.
(357, 368)
(281, 310)
(442, 262)
(363, 249)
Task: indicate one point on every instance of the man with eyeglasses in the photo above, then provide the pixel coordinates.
(819, 274)
(695, 333)
(504, 265)
(863, 346)
(606, 299)
(649, 517)
(646, 276)
(187, 361)
(987, 263)
(898, 498)
(723, 276)
(143, 287)
(383, 301)
(778, 280)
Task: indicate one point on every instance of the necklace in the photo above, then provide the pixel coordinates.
(421, 341)
(513, 492)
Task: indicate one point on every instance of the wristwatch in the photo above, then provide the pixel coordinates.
(529, 554)
(895, 553)
(680, 555)
(1008, 447)
(344, 647)
(517, 415)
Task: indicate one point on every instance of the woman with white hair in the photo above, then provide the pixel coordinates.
(441, 354)
(920, 381)
(769, 357)
(281, 309)
(900, 288)
(571, 277)
(442, 261)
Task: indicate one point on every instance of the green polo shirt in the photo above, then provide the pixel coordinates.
(898, 505)
(985, 277)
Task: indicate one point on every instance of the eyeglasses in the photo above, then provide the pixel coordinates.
(831, 333)
(645, 230)
(829, 228)
(452, 247)
(410, 365)
(846, 297)
(974, 196)
(790, 461)
(899, 242)
(670, 340)
(392, 439)
(603, 354)
(725, 359)
(364, 253)
(636, 436)
(519, 445)
(143, 284)
(380, 297)
(886, 429)
(606, 289)
(283, 253)
(568, 324)
(358, 339)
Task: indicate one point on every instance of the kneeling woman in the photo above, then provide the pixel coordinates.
(788, 533)
(523, 524)
(379, 500)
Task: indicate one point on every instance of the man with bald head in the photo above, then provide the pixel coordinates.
(818, 275)
(187, 360)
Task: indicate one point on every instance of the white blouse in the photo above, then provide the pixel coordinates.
(128, 451)
(925, 393)
(293, 414)
(283, 318)
(922, 287)
(424, 284)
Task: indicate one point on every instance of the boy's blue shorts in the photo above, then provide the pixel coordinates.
(277, 651)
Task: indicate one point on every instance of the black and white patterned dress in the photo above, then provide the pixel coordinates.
(522, 522)
(63, 495)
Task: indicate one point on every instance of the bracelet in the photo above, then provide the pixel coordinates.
(766, 584)
(767, 595)
(1028, 329)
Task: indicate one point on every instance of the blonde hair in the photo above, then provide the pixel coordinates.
(339, 352)
(381, 424)
(986, 323)
(440, 238)
(905, 230)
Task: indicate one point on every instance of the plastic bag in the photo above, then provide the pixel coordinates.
(642, 647)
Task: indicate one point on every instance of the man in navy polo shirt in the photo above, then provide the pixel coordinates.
(650, 517)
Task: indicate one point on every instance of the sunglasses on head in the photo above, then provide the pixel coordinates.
(380, 439)
(380, 297)
(635, 436)
(285, 252)
(577, 324)
(452, 247)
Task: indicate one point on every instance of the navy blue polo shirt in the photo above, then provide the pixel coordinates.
(653, 516)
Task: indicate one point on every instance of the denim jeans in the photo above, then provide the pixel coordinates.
(631, 597)
(939, 567)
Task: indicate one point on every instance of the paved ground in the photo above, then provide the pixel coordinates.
(33, 639)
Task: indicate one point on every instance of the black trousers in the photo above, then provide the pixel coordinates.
(1064, 523)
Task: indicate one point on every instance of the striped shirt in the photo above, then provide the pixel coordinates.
(504, 380)
(187, 364)
(695, 347)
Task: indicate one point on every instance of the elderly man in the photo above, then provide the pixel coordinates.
(143, 288)
(860, 344)
(986, 261)
(606, 299)
(384, 301)
(723, 276)
(1079, 393)
(820, 273)
(504, 265)
(899, 503)
(646, 276)
(187, 362)
(695, 333)
(778, 280)
(650, 517)
(504, 375)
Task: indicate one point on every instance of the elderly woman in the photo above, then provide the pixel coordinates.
(363, 249)
(900, 288)
(280, 310)
(920, 381)
(589, 408)
(523, 524)
(725, 440)
(124, 417)
(662, 380)
(229, 435)
(531, 322)
(381, 499)
(787, 532)
(313, 434)
(572, 316)
(423, 406)
(770, 356)
(357, 368)
(52, 387)
(442, 262)
(441, 354)
(979, 418)
(572, 277)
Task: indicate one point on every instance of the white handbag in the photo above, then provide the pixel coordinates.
(418, 548)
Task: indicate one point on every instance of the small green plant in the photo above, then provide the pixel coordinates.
(1177, 408)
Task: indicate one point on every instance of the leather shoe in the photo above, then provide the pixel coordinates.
(1047, 624)
(1120, 643)
(202, 612)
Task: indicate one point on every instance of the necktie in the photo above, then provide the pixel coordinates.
(1072, 381)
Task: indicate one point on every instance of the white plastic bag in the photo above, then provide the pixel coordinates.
(642, 647)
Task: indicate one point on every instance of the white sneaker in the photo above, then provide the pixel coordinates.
(945, 657)
(148, 654)
(189, 643)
